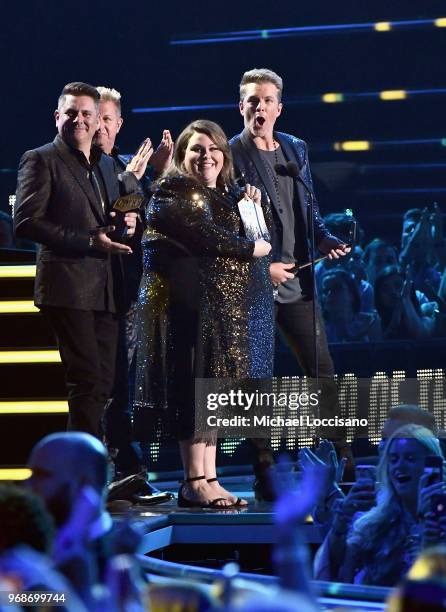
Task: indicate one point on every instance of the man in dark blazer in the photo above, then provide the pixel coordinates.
(64, 192)
(257, 151)
(126, 452)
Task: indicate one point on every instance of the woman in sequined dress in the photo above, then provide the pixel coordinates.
(205, 303)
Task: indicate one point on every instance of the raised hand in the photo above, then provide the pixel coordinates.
(138, 163)
(425, 492)
(419, 241)
(406, 290)
(71, 539)
(162, 157)
(436, 221)
(325, 454)
(295, 500)
(437, 232)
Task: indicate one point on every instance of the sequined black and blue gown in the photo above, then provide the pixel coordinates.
(205, 306)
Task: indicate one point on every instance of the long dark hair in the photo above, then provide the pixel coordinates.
(384, 312)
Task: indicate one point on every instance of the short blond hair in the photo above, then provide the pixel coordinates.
(261, 75)
(108, 94)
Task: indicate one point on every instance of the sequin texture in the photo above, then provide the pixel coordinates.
(205, 305)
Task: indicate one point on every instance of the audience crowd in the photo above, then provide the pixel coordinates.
(387, 529)
(380, 292)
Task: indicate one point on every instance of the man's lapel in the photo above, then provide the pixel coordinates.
(80, 174)
(291, 155)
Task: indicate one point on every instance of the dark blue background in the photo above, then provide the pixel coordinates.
(46, 44)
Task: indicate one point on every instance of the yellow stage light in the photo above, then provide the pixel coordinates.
(14, 473)
(393, 94)
(440, 22)
(383, 26)
(45, 356)
(34, 407)
(331, 98)
(17, 307)
(352, 145)
(25, 271)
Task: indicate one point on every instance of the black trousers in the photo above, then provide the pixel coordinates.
(295, 322)
(118, 417)
(87, 341)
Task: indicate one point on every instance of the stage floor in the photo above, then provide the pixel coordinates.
(167, 524)
(195, 544)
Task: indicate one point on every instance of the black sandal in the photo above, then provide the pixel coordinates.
(236, 504)
(183, 502)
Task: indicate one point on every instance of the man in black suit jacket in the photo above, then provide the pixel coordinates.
(127, 454)
(64, 192)
(256, 152)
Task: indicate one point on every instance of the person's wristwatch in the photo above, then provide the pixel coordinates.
(90, 242)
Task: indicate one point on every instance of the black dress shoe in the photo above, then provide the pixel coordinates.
(137, 489)
(154, 499)
(147, 488)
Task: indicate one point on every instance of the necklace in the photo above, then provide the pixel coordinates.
(273, 175)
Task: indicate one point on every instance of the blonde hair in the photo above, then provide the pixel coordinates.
(386, 521)
(261, 75)
(216, 134)
(108, 94)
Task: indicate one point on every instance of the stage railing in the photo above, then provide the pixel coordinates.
(324, 590)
